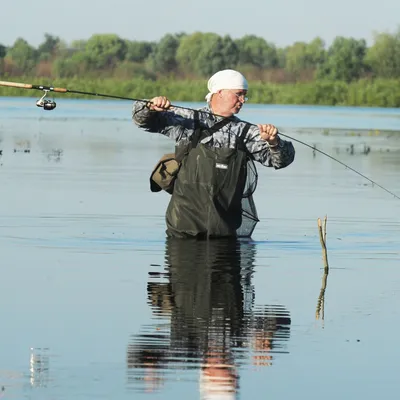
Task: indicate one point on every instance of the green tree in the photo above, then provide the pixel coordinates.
(71, 64)
(296, 57)
(257, 51)
(163, 58)
(345, 60)
(22, 56)
(384, 55)
(316, 53)
(302, 56)
(189, 49)
(281, 55)
(3, 51)
(49, 48)
(217, 53)
(105, 51)
(138, 51)
(78, 45)
(206, 53)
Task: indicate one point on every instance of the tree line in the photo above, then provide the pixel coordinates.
(198, 55)
(347, 72)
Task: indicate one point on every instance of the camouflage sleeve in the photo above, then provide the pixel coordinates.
(167, 123)
(278, 157)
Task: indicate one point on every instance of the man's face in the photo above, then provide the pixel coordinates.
(233, 99)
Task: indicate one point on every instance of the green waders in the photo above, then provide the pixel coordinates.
(207, 197)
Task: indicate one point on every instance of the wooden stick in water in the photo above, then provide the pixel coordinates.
(322, 238)
(320, 311)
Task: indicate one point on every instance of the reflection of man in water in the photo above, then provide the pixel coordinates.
(209, 301)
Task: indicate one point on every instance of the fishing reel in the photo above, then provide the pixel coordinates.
(46, 103)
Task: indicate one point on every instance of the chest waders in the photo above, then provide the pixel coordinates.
(207, 197)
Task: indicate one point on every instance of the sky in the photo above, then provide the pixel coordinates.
(281, 22)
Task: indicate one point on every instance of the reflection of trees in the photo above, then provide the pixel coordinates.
(208, 301)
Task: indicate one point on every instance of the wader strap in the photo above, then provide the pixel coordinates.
(182, 152)
(196, 120)
(202, 133)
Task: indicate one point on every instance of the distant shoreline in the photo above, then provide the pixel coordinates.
(365, 93)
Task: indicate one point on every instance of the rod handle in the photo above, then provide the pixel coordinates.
(59, 90)
(15, 84)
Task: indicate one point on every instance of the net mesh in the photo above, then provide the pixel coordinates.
(249, 210)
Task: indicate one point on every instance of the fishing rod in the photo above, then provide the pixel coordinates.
(51, 105)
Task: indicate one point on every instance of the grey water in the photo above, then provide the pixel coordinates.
(95, 303)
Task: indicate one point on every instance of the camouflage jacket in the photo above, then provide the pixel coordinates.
(178, 124)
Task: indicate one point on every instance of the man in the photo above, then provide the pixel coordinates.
(208, 192)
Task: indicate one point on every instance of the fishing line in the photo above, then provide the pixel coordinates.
(51, 105)
(342, 163)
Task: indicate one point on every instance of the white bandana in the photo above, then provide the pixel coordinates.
(226, 79)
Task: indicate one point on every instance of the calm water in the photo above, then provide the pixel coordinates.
(96, 304)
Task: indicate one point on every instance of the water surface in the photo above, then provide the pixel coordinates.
(96, 303)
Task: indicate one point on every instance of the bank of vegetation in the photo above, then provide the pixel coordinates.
(347, 72)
